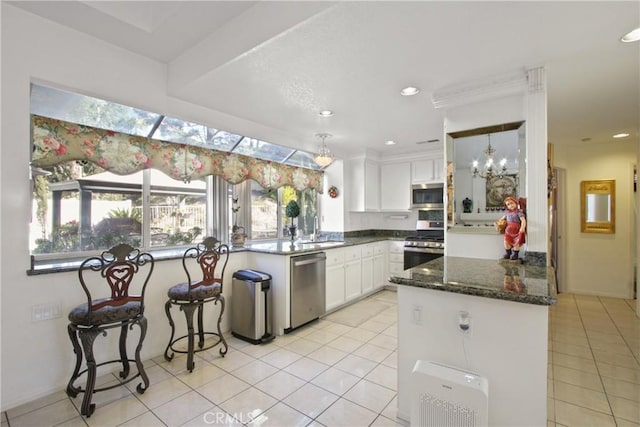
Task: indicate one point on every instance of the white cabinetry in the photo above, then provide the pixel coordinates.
(395, 186)
(334, 295)
(352, 272)
(396, 256)
(367, 267)
(363, 180)
(427, 170)
(379, 255)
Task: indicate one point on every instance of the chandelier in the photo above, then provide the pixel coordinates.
(490, 170)
(324, 158)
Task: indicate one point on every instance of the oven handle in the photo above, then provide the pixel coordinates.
(424, 250)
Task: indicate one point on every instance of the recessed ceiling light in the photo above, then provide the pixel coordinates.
(631, 36)
(325, 113)
(409, 91)
(390, 143)
(621, 135)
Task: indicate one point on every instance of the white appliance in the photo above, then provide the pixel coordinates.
(443, 396)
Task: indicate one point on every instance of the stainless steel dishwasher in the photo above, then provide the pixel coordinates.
(307, 288)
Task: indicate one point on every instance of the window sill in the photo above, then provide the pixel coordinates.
(49, 266)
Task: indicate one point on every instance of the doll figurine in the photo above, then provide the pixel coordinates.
(515, 231)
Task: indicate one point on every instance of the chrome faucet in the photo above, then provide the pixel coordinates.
(315, 229)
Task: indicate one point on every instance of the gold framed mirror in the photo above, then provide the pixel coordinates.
(598, 206)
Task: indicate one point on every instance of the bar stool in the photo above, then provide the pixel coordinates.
(118, 266)
(189, 296)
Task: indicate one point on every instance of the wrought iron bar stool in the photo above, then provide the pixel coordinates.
(117, 266)
(212, 257)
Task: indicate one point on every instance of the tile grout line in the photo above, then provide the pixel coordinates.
(594, 357)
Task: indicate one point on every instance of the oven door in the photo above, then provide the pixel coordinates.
(416, 256)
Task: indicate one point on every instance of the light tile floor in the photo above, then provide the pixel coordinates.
(341, 371)
(594, 374)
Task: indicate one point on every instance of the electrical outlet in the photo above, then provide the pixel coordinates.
(416, 314)
(45, 312)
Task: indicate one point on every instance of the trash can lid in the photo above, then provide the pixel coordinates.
(252, 275)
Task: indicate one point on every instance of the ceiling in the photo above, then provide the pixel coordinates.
(277, 64)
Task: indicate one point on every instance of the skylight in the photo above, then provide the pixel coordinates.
(88, 111)
(84, 110)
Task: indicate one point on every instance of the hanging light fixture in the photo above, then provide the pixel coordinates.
(324, 158)
(490, 170)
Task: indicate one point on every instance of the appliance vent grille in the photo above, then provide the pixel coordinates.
(445, 396)
(435, 411)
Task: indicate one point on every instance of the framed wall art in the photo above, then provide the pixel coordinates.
(500, 187)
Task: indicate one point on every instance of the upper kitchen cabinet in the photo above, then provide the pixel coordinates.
(427, 171)
(363, 181)
(395, 186)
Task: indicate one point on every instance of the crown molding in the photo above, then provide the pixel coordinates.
(480, 90)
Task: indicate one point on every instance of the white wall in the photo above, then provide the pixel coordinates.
(599, 264)
(37, 356)
(504, 101)
(506, 343)
(332, 218)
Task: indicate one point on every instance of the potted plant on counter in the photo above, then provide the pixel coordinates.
(292, 211)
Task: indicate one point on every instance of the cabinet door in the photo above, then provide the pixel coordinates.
(353, 279)
(422, 171)
(378, 271)
(371, 186)
(367, 274)
(396, 257)
(363, 185)
(334, 296)
(438, 170)
(426, 171)
(395, 186)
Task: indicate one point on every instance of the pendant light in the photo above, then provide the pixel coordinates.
(324, 157)
(491, 170)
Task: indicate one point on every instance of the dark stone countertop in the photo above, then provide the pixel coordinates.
(298, 247)
(498, 279)
(275, 247)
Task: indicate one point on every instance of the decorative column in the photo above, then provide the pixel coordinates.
(536, 107)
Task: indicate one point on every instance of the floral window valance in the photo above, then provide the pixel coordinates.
(57, 141)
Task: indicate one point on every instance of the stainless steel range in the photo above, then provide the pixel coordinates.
(426, 245)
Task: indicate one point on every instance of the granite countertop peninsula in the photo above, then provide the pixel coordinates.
(301, 246)
(497, 279)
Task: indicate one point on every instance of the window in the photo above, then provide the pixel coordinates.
(308, 202)
(267, 214)
(264, 212)
(80, 207)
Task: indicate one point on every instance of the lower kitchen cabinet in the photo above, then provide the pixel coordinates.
(335, 279)
(396, 256)
(367, 267)
(352, 272)
(379, 263)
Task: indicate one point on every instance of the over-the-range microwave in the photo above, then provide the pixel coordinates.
(427, 196)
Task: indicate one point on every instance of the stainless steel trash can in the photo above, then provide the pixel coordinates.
(250, 317)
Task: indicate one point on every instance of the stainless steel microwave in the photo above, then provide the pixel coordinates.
(427, 196)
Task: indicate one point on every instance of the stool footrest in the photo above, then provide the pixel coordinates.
(194, 331)
(223, 350)
(71, 389)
